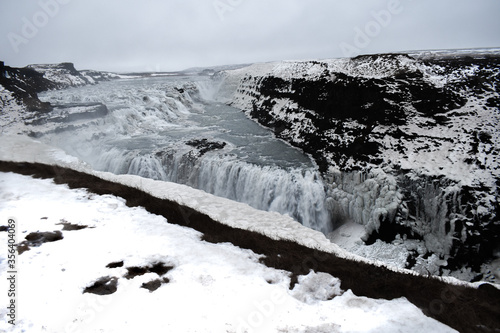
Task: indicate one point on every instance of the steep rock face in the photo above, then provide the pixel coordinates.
(24, 84)
(408, 144)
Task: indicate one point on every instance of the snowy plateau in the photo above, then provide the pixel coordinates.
(391, 195)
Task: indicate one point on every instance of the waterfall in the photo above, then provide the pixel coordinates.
(297, 192)
(146, 134)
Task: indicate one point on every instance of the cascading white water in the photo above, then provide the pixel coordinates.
(297, 192)
(146, 132)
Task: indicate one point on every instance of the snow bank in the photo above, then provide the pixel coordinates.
(207, 288)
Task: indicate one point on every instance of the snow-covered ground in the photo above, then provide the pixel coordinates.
(210, 287)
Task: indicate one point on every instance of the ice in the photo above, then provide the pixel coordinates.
(363, 197)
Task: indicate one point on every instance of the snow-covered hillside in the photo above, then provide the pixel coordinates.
(108, 265)
(409, 145)
(65, 75)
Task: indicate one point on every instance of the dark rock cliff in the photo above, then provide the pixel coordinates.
(429, 124)
(25, 84)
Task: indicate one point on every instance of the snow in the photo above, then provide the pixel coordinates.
(61, 75)
(24, 149)
(348, 235)
(351, 236)
(10, 111)
(225, 285)
(211, 287)
(314, 69)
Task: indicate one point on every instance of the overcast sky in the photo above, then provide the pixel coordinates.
(167, 35)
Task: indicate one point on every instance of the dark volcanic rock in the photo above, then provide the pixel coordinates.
(35, 239)
(25, 84)
(104, 286)
(38, 238)
(205, 146)
(158, 268)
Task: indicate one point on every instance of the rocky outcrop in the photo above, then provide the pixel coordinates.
(408, 144)
(25, 84)
(203, 145)
(64, 117)
(65, 75)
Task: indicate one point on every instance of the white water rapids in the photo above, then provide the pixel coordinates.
(147, 132)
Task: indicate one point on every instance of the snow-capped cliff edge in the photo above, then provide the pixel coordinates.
(408, 143)
(65, 75)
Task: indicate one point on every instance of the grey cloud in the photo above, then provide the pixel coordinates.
(131, 35)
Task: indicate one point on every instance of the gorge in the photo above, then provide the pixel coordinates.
(395, 156)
